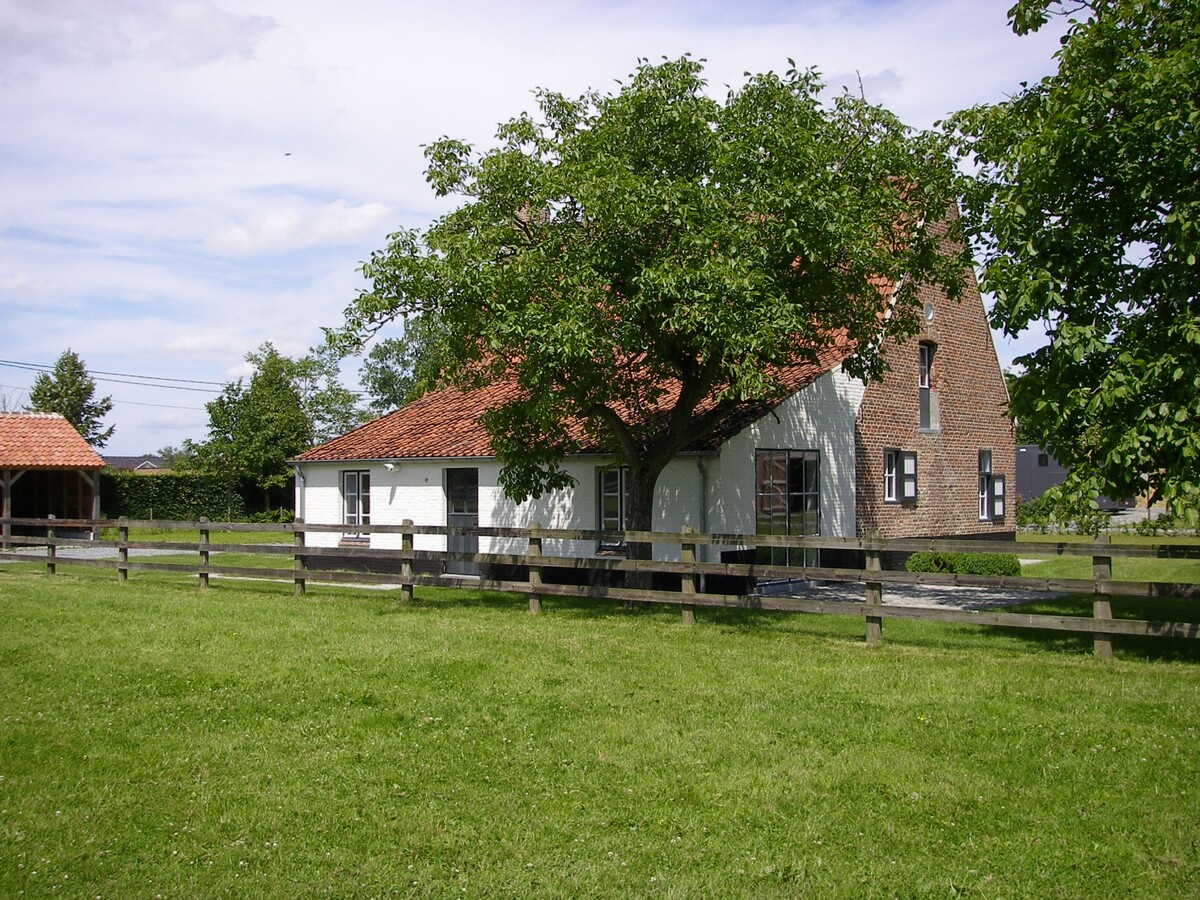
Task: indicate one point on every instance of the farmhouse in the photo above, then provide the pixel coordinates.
(927, 451)
(46, 469)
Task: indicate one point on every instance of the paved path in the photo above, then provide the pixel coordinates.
(923, 595)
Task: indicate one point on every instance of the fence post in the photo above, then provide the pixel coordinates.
(874, 563)
(123, 549)
(300, 563)
(688, 581)
(203, 552)
(1102, 643)
(51, 549)
(535, 570)
(406, 563)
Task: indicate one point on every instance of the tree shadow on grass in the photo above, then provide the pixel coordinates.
(1130, 647)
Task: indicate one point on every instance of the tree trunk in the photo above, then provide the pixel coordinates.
(639, 516)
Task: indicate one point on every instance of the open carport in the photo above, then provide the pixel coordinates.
(46, 469)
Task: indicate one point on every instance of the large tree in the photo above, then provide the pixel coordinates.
(69, 390)
(1087, 210)
(398, 370)
(256, 428)
(638, 263)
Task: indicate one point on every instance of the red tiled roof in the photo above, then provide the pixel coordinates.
(445, 424)
(43, 441)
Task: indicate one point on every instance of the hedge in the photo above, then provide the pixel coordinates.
(169, 495)
(997, 564)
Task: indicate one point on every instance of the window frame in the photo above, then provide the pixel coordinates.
(621, 496)
(789, 503)
(927, 415)
(900, 484)
(891, 475)
(360, 515)
(991, 490)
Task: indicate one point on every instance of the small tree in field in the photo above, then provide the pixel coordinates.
(638, 263)
(69, 391)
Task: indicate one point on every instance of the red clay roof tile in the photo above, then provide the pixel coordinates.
(43, 441)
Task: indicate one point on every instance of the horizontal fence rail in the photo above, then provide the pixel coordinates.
(615, 576)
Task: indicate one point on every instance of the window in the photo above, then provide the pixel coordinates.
(612, 490)
(356, 500)
(899, 476)
(991, 490)
(1043, 460)
(788, 501)
(929, 414)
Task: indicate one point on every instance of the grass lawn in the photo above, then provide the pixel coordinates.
(1178, 571)
(160, 740)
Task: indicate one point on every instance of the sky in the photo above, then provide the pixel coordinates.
(184, 180)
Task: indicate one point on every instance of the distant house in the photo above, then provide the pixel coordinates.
(1038, 471)
(46, 469)
(927, 451)
(145, 463)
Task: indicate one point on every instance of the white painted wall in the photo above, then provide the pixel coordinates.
(820, 417)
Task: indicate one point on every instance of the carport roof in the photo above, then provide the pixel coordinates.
(43, 441)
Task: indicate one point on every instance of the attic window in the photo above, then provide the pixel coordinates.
(930, 414)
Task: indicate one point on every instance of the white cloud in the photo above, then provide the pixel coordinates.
(99, 33)
(291, 228)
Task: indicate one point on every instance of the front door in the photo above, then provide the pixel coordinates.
(462, 511)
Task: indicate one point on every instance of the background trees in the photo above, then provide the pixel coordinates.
(70, 391)
(1087, 211)
(624, 257)
(256, 428)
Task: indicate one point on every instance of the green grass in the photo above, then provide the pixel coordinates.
(1176, 571)
(192, 536)
(160, 740)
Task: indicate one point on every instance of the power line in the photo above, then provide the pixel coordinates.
(177, 384)
(126, 402)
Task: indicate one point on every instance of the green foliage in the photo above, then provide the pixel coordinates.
(69, 391)
(623, 258)
(1087, 208)
(1070, 506)
(998, 564)
(170, 496)
(256, 429)
(273, 517)
(331, 408)
(399, 370)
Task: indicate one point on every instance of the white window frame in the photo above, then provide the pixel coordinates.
(356, 500)
(991, 490)
(891, 475)
(612, 482)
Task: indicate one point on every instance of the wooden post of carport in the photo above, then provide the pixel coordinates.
(6, 483)
(94, 479)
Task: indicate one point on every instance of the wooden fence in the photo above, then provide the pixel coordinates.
(527, 573)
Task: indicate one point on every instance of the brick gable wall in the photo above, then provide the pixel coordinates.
(973, 402)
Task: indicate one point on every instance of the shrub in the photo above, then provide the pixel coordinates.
(170, 496)
(996, 564)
